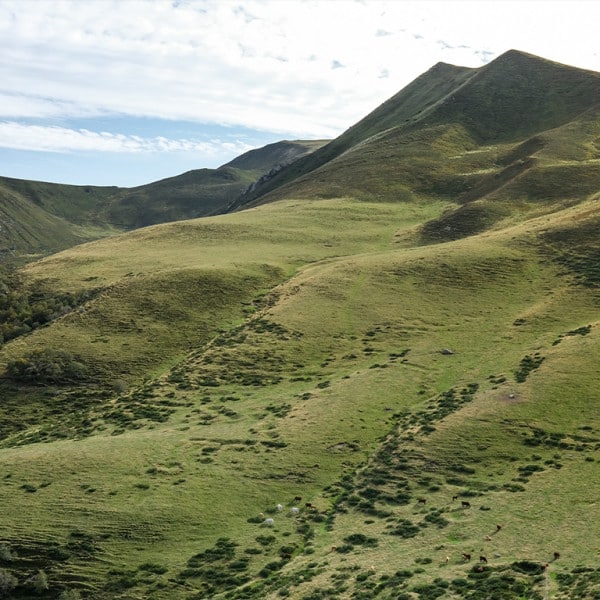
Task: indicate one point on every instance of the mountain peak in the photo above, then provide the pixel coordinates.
(518, 94)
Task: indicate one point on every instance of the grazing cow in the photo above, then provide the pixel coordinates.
(465, 504)
(422, 500)
(279, 507)
(308, 505)
(483, 559)
(297, 498)
(498, 527)
(286, 556)
(447, 559)
(488, 538)
(466, 556)
(454, 498)
(269, 522)
(294, 510)
(556, 555)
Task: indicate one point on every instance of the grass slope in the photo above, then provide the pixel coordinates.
(519, 124)
(42, 218)
(350, 366)
(39, 218)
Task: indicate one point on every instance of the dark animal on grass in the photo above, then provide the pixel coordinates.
(454, 498)
(286, 556)
(465, 504)
(466, 556)
(483, 559)
(422, 500)
(297, 498)
(556, 555)
(498, 527)
(309, 505)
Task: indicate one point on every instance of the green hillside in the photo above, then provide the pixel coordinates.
(41, 218)
(387, 393)
(459, 133)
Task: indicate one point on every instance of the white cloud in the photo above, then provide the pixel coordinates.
(261, 64)
(59, 139)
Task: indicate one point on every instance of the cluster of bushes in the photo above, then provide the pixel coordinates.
(8, 582)
(528, 364)
(580, 583)
(217, 568)
(23, 310)
(46, 366)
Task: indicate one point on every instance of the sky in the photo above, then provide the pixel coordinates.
(126, 92)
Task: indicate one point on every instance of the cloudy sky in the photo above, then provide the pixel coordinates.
(125, 92)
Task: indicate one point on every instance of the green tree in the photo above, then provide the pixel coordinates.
(40, 582)
(46, 366)
(8, 582)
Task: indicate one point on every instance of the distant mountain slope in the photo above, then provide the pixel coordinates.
(459, 133)
(285, 152)
(40, 217)
(201, 192)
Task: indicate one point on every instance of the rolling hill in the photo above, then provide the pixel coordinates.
(40, 218)
(378, 381)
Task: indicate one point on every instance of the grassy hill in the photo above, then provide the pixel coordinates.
(463, 134)
(321, 397)
(40, 218)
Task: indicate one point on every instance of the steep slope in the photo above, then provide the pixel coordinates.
(427, 89)
(40, 218)
(462, 134)
(518, 95)
(281, 153)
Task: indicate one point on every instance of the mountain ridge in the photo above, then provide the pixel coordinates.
(514, 93)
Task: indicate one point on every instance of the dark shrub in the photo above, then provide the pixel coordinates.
(46, 366)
